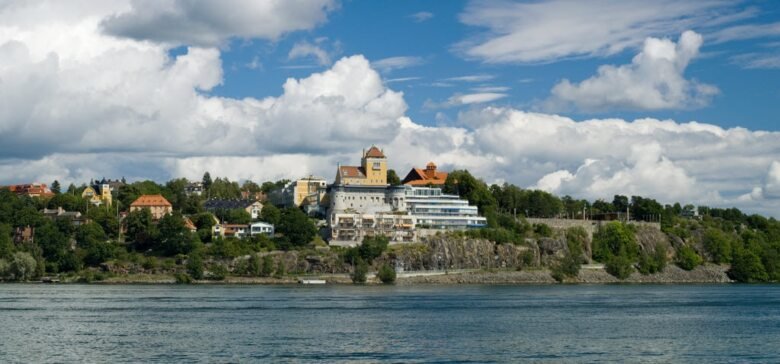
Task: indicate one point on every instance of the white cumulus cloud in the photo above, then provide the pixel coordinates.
(654, 80)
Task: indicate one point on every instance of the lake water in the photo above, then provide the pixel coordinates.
(582, 323)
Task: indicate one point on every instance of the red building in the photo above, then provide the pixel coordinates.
(31, 190)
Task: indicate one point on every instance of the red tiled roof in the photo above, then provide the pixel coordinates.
(424, 177)
(351, 172)
(374, 152)
(189, 225)
(150, 200)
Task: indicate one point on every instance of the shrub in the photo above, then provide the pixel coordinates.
(280, 269)
(614, 238)
(718, 244)
(218, 272)
(254, 266)
(687, 258)
(182, 278)
(543, 230)
(528, 258)
(360, 272)
(651, 264)
(386, 274)
(21, 267)
(268, 266)
(747, 267)
(150, 263)
(195, 266)
(619, 266)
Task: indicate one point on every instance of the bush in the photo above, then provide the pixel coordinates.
(747, 267)
(651, 264)
(195, 266)
(613, 239)
(373, 247)
(22, 267)
(150, 263)
(687, 258)
(254, 267)
(619, 266)
(182, 278)
(543, 230)
(718, 244)
(360, 272)
(280, 270)
(218, 272)
(527, 258)
(386, 274)
(268, 266)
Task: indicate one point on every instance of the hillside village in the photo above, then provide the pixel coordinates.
(366, 217)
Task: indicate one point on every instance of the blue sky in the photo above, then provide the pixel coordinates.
(381, 30)
(673, 100)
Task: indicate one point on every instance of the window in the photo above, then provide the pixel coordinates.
(377, 166)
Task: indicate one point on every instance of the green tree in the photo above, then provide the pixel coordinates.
(270, 214)
(55, 187)
(54, 246)
(268, 266)
(718, 244)
(6, 243)
(195, 266)
(462, 183)
(372, 247)
(140, 228)
(89, 233)
(96, 252)
(255, 265)
(175, 238)
(296, 226)
(360, 272)
(280, 269)
(238, 216)
(613, 239)
(653, 263)
(687, 258)
(206, 181)
(392, 178)
(747, 267)
(386, 274)
(22, 266)
(569, 265)
(619, 266)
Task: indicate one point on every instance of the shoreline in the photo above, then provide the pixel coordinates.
(706, 274)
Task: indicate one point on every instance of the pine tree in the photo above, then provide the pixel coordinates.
(55, 187)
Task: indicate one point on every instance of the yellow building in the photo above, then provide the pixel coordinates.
(311, 188)
(95, 198)
(371, 172)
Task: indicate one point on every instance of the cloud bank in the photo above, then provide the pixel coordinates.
(78, 102)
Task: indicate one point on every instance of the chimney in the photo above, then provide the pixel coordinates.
(430, 170)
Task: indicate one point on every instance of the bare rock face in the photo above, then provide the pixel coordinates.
(649, 238)
(447, 252)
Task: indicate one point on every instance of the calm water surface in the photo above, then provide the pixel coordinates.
(110, 324)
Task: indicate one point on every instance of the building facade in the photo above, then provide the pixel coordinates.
(372, 170)
(359, 208)
(157, 204)
(32, 190)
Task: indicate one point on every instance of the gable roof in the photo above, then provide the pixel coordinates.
(150, 200)
(374, 152)
(424, 177)
(351, 172)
